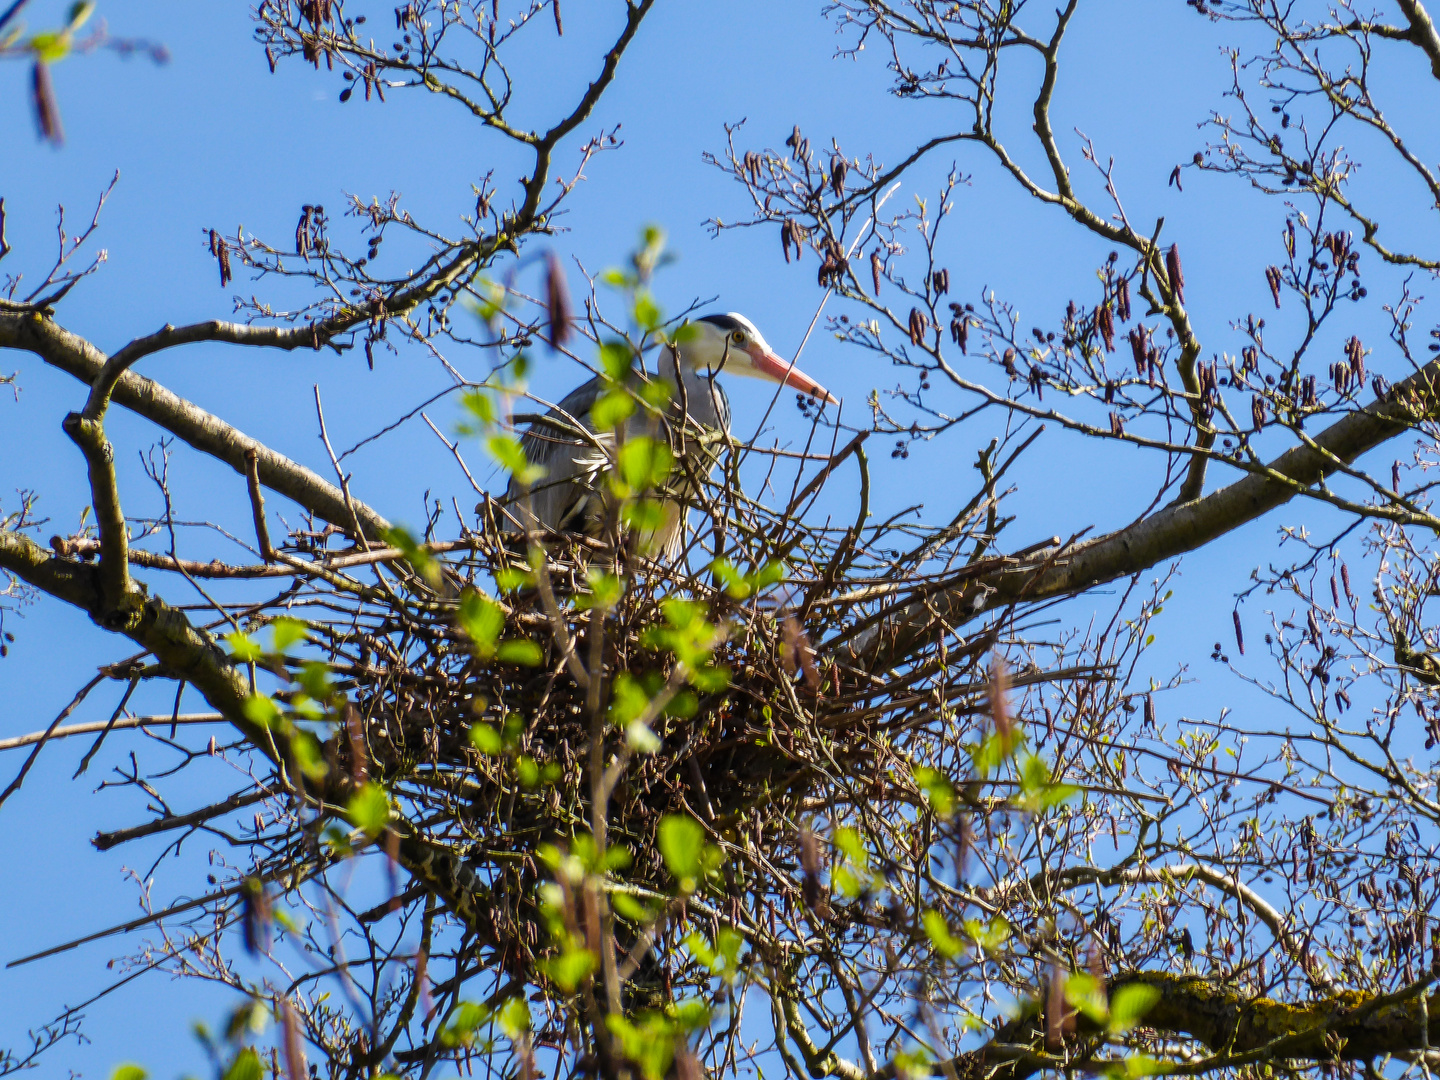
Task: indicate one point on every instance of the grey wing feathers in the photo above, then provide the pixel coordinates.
(565, 497)
(571, 497)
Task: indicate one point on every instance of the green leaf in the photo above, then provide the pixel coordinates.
(1087, 993)
(308, 754)
(249, 1015)
(246, 1066)
(641, 738)
(314, 679)
(460, 1028)
(337, 841)
(513, 727)
(645, 515)
(699, 946)
(731, 578)
(512, 579)
(50, 47)
(938, 931)
(772, 573)
(617, 360)
(939, 791)
(482, 620)
(486, 739)
(852, 845)
(914, 1064)
(846, 882)
(80, 12)
(722, 958)
(741, 584)
(369, 809)
(658, 392)
(520, 651)
(417, 556)
(691, 1014)
(605, 591)
(646, 312)
(611, 409)
(242, 648)
(129, 1072)
(1037, 793)
(993, 751)
(650, 1047)
(682, 843)
(570, 968)
(481, 406)
(615, 278)
(682, 614)
(286, 632)
(988, 936)
(630, 909)
(261, 711)
(511, 455)
(645, 462)
(304, 707)
(685, 704)
(628, 700)
(710, 680)
(1136, 1066)
(514, 1017)
(1130, 1003)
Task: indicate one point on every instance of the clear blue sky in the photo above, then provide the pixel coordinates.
(213, 140)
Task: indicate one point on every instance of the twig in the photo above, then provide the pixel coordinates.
(104, 841)
(95, 746)
(257, 504)
(99, 725)
(54, 726)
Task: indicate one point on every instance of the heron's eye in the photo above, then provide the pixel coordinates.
(738, 337)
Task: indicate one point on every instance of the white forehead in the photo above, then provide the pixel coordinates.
(730, 322)
(749, 327)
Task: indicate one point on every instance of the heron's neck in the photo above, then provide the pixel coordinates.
(703, 397)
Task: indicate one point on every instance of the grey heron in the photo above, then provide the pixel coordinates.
(573, 497)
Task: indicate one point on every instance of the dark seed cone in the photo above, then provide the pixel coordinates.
(47, 112)
(918, 324)
(1174, 272)
(557, 300)
(1105, 323)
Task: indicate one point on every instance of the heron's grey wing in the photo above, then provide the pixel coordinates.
(559, 499)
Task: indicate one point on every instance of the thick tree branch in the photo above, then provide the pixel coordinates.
(1422, 31)
(207, 433)
(119, 599)
(1237, 1029)
(193, 656)
(104, 841)
(1175, 530)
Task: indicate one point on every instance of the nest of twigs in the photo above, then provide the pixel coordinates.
(495, 759)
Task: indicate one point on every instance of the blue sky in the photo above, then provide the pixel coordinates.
(213, 140)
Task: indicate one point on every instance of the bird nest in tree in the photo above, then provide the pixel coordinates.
(487, 710)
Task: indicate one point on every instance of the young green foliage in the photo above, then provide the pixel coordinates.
(689, 858)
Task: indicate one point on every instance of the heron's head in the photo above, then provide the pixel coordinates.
(731, 344)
